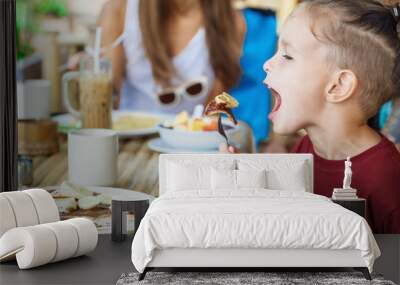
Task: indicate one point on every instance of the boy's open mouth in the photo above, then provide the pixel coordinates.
(277, 103)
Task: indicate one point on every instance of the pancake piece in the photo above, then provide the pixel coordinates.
(222, 104)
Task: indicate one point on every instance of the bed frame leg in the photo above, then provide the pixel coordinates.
(364, 271)
(143, 274)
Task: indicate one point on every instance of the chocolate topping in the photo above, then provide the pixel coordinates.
(214, 108)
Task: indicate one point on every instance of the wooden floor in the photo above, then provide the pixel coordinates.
(137, 167)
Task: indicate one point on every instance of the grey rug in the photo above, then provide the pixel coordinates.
(230, 278)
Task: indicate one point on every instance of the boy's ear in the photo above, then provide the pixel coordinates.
(342, 86)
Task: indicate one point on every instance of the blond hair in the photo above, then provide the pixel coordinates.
(363, 37)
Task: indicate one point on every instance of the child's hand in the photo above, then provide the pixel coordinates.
(223, 148)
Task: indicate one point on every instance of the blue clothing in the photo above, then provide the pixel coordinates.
(384, 113)
(259, 45)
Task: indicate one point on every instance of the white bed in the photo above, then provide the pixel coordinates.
(197, 222)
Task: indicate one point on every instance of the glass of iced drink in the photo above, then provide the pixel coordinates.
(95, 93)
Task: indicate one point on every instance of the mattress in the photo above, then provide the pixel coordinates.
(251, 219)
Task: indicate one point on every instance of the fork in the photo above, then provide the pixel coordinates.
(221, 130)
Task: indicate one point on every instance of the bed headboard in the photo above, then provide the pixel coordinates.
(271, 158)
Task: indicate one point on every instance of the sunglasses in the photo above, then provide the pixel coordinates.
(191, 90)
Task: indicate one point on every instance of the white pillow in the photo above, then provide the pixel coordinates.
(237, 179)
(291, 179)
(183, 178)
(185, 175)
(282, 174)
(223, 179)
(251, 178)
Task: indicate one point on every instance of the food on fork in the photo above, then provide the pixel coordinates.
(222, 104)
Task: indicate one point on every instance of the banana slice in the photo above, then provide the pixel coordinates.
(105, 199)
(65, 190)
(82, 191)
(68, 189)
(88, 202)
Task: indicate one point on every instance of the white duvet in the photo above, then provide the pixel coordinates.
(250, 219)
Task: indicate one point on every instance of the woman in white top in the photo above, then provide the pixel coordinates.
(174, 54)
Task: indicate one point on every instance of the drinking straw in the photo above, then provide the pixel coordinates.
(97, 47)
(103, 50)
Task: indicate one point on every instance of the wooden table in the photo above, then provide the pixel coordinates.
(137, 167)
(137, 164)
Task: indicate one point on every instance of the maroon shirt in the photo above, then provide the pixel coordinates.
(376, 176)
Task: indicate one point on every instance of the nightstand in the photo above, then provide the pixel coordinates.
(357, 205)
(119, 221)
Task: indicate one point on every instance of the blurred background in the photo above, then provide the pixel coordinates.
(54, 37)
(49, 32)
(104, 87)
(158, 64)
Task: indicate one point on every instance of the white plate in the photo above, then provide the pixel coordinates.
(67, 122)
(157, 144)
(103, 223)
(120, 193)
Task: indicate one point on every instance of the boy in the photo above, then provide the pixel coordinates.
(332, 71)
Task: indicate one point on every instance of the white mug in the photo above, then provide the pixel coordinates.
(92, 157)
(33, 99)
